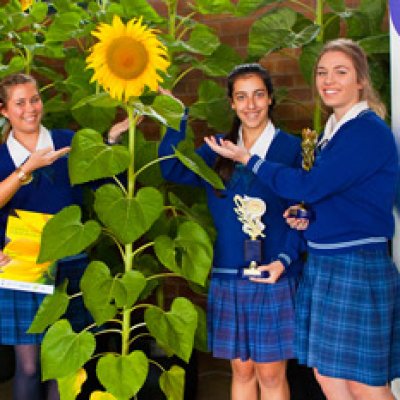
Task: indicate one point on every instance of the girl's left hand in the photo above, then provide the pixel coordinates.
(227, 149)
(275, 269)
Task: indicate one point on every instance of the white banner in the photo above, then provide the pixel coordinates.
(394, 6)
(395, 83)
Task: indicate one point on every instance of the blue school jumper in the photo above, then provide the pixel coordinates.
(49, 192)
(348, 304)
(246, 319)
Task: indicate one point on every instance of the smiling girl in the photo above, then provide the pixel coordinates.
(250, 321)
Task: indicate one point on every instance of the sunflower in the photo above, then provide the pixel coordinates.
(127, 58)
(25, 4)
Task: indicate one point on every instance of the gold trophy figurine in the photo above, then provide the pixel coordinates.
(249, 211)
(309, 140)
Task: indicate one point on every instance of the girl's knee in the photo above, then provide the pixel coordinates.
(243, 371)
(271, 375)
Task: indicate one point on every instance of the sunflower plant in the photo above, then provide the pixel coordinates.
(129, 62)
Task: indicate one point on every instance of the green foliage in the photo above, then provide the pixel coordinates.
(149, 230)
(282, 28)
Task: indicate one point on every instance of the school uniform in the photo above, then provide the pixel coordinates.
(246, 320)
(348, 301)
(49, 192)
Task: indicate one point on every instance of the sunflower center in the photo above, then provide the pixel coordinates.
(126, 57)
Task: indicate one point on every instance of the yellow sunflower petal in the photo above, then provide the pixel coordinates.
(127, 58)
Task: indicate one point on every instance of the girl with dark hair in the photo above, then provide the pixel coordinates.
(250, 320)
(33, 177)
(348, 301)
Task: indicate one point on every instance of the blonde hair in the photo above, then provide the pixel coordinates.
(5, 85)
(360, 63)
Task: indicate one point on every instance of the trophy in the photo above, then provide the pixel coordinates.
(309, 140)
(249, 211)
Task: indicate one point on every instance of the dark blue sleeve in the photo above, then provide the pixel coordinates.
(358, 152)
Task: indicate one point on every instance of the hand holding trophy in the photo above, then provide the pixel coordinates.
(308, 144)
(249, 211)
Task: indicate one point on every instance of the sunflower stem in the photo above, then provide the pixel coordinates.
(128, 258)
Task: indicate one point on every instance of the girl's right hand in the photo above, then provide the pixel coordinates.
(300, 224)
(43, 157)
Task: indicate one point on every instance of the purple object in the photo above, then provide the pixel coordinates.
(394, 6)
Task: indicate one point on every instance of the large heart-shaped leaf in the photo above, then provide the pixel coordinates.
(65, 235)
(123, 376)
(97, 288)
(174, 330)
(189, 254)
(130, 286)
(63, 351)
(51, 309)
(172, 383)
(91, 159)
(128, 219)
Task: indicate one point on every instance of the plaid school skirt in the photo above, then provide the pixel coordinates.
(348, 316)
(18, 308)
(249, 320)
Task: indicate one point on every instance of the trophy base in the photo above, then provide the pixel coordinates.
(254, 273)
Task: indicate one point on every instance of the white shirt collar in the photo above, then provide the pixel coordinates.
(261, 145)
(19, 153)
(332, 126)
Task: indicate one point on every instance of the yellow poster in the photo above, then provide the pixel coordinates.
(23, 235)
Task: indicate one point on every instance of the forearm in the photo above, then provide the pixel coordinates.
(10, 185)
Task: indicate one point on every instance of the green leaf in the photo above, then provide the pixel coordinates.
(245, 7)
(51, 309)
(123, 376)
(220, 62)
(102, 100)
(97, 288)
(212, 106)
(65, 235)
(174, 330)
(70, 386)
(200, 339)
(189, 254)
(132, 283)
(146, 151)
(202, 40)
(338, 6)
(307, 60)
(38, 11)
(379, 44)
(172, 383)
(167, 110)
(128, 219)
(91, 159)
(16, 64)
(196, 164)
(213, 6)
(140, 8)
(63, 351)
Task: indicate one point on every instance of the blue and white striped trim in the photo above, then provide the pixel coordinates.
(351, 243)
(257, 165)
(286, 260)
(230, 271)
